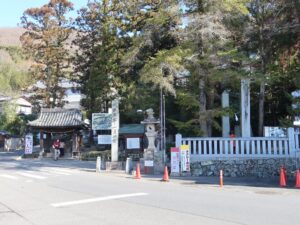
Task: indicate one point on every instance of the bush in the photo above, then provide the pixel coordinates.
(92, 155)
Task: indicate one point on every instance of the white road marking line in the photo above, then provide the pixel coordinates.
(9, 176)
(90, 200)
(64, 170)
(32, 176)
(52, 172)
(58, 172)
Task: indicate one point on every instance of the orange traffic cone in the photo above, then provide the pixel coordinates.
(221, 178)
(166, 174)
(138, 172)
(298, 179)
(282, 177)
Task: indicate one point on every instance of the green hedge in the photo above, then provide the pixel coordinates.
(105, 155)
(92, 155)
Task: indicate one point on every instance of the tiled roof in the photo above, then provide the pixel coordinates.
(58, 118)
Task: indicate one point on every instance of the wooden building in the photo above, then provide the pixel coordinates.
(62, 124)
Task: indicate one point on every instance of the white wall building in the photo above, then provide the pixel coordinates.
(22, 105)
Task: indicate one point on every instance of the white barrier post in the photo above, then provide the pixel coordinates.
(98, 164)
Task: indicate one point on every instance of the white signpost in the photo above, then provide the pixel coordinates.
(185, 158)
(175, 159)
(28, 144)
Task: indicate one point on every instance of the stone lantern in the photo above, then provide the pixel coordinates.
(153, 158)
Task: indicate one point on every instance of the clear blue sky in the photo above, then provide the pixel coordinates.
(12, 10)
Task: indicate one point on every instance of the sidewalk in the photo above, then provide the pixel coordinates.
(90, 166)
(192, 180)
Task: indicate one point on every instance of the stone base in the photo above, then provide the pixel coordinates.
(148, 169)
(157, 166)
(261, 168)
(159, 162)
(115, 166)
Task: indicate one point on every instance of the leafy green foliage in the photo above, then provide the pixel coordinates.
(193, 50)
(12, 122)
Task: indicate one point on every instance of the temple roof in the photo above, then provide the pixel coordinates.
(58, 118)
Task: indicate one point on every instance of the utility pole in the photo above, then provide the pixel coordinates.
(162, 125)
(164, 128)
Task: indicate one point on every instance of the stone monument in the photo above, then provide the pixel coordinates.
(225, 118)
(245, 108)
(153, 158)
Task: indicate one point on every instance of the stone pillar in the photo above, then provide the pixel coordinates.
(178, 140)
(115, 131)
(225, 119)
(245, 108)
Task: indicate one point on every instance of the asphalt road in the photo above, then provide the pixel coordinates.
(44, 192)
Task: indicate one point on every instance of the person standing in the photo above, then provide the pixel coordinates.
(232, 135)
(56, 146)
(62, 148)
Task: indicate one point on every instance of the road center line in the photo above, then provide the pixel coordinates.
(90, 200)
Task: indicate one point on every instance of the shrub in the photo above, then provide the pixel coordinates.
(92, 155)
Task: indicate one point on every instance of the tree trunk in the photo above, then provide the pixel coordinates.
(210, 105)
(202, 107)
(261, 108)
(262, 49)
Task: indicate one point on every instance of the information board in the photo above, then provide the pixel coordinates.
(28, 144)
(175, 159)
(101, 121)
(185, 158)
(104, 139)
(132, 143)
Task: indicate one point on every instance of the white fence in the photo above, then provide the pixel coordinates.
(253, 147)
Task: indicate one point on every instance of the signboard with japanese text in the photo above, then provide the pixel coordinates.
(28, 144)
(185, 158)
(149, 163)
(132, 143)
(175, 159)
(101, 121)
(278, 132)
(104, 139)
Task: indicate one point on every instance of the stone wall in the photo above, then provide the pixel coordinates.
(262, 168)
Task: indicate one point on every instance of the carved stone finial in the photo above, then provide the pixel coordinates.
(150, 114)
